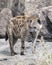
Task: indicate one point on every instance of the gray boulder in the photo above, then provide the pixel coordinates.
(5, 16)
(47, 24)
(17, 8)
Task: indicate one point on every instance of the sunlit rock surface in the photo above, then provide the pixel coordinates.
(5, 16)
(30, 7)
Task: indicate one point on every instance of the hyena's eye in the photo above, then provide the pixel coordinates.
(30, 21)
(34, 27)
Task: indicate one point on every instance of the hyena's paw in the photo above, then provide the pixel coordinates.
(22, 53)
(13, 53)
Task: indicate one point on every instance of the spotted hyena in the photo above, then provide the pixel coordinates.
(18, 28)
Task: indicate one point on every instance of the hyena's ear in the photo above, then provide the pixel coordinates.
(6, 36)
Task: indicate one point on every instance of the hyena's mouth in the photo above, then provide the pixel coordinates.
(32, 34)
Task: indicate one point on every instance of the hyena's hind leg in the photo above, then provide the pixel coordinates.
(22, 47)
(12, 43)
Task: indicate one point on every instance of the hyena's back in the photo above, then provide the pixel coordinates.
(18, 26)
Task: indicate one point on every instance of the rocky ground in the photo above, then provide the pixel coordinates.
(42, 56)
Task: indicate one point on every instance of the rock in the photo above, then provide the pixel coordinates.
(45, 32)
(17, 8)
(30, 7)
(5, 16)
(44, 3)
(5, 4)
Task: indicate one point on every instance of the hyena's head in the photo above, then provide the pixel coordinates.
(34, 26)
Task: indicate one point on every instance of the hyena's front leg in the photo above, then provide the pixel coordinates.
(14, 42)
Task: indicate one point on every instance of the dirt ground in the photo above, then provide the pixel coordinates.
(28, 58)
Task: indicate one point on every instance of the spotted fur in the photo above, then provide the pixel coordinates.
(18, 28)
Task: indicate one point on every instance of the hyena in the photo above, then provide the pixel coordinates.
(18, 28)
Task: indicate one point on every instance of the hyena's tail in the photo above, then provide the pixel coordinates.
(6, 36)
